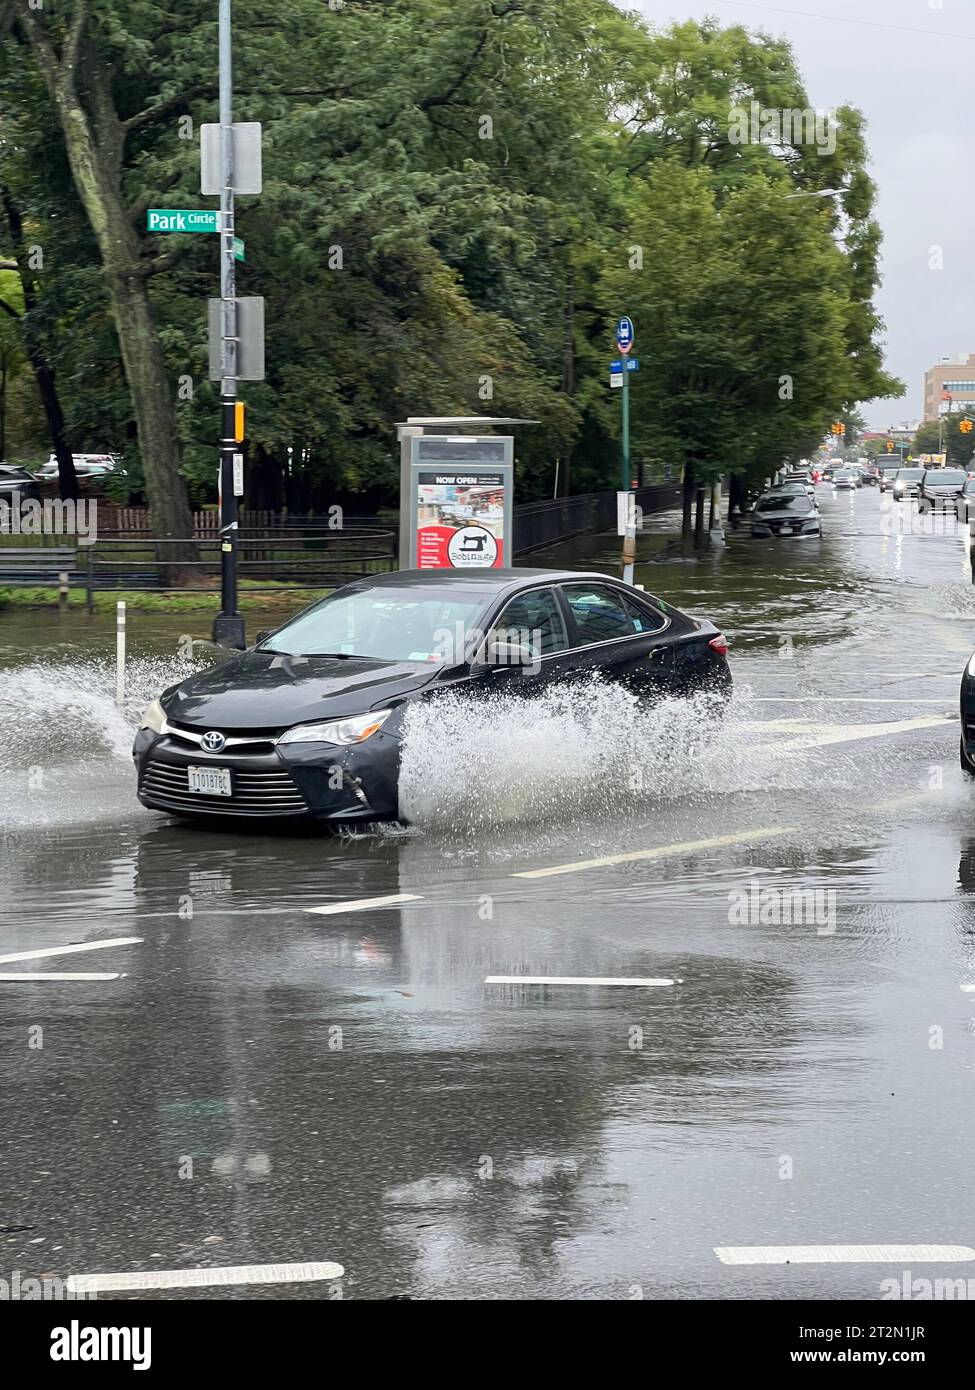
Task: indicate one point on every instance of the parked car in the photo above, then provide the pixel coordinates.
(785, 514)
(941, 487)
(907, 483)
(965, 502)
(17, 482)
(309, 723)
(796, 483)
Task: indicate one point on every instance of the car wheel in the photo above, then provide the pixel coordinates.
(966, 765)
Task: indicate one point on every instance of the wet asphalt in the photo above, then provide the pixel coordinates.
(265, 1084)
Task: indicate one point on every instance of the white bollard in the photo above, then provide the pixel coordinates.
(120, 653)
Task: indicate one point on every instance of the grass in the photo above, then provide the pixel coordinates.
(186, 601)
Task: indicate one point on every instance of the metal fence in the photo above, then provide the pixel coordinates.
(538, 524)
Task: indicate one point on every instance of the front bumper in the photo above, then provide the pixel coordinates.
(295, 781)
(762, 531)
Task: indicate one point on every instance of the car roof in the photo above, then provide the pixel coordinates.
(491, 581)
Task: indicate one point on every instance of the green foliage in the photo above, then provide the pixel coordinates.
(453, 193)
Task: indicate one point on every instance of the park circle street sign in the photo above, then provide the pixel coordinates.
(181, 220)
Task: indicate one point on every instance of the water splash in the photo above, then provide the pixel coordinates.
(575, 752)
(65, 745)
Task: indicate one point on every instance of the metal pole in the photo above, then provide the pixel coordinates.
(228, 626)
(119, 653)
(625, 484)
(629, 537)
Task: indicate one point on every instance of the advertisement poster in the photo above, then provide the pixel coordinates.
(459, 519)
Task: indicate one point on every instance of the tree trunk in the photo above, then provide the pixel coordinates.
(687, 503)
(94, 141)
(699, 519)
(37, 356)
(568, 372)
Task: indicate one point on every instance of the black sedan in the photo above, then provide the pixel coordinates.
(785, 514)
(309, 723)
(967, 749)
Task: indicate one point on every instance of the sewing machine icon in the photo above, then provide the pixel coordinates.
(474, 545)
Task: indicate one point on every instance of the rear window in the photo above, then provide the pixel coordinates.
(910, 475)
(948, 477)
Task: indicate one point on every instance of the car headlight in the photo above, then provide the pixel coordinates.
(153, 717)
(354, 729)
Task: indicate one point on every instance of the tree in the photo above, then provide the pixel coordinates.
(80, 61)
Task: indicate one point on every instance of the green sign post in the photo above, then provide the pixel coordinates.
(188, 220)
(181, 220)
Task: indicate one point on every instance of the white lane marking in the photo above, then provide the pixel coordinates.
(68, 950)
(850, 733)
(11, 978)
(660, 852)
(842, 1254)
(843, 700)
(204, 1278)
(571, 980)
(908, 799)
(361, 904)
(968, 989)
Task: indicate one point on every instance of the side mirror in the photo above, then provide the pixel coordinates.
(498, 654)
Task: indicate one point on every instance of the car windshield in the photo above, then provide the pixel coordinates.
(787, 502)
(945, 477)
(910, 475)
(389, 624)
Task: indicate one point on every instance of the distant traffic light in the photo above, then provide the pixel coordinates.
(890, 446)
(965, 426)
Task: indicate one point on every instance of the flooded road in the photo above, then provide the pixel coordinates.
(261, 1082)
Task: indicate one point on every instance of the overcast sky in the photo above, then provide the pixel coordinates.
(909, 65)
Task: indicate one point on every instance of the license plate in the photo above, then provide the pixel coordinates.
(787, 530)
(211, 781)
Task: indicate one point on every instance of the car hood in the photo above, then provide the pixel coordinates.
(263, 690)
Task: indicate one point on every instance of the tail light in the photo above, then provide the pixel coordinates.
(719, 644)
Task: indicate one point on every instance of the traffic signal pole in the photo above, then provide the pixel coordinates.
(228, 626)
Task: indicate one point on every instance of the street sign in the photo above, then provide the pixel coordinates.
(633, 364)
(616, 378)
(245, 155)
(624, 334)
(625, 513)
(616, 366)
(250, 337)
(238, 475)
(181, 220)
(238, 249)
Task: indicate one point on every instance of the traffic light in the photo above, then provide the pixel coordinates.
(890, 446)
(838, 428)
(965, 426)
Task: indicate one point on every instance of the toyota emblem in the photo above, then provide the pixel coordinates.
(212, 741)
